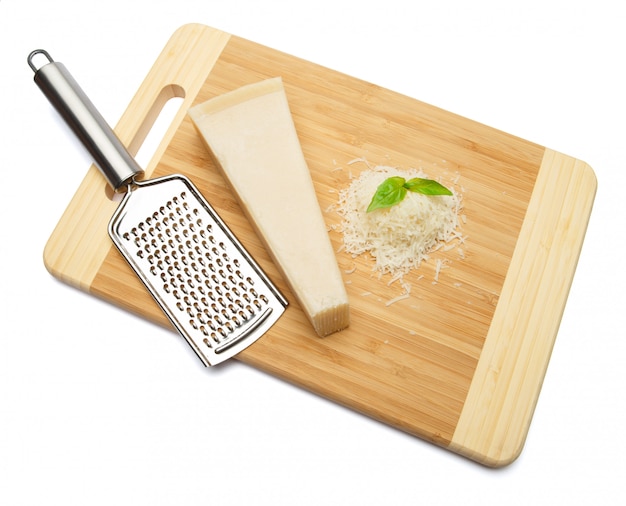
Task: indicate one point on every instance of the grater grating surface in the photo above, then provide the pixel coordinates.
(212, 291)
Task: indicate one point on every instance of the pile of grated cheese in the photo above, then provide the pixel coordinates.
(401, 237)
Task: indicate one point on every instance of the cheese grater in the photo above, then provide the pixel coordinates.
(208, 285)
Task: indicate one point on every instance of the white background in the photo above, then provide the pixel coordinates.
(100, 407)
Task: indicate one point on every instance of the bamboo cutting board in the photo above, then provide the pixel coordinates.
(459, 362)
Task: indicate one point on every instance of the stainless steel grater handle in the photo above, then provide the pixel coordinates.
(111, 156)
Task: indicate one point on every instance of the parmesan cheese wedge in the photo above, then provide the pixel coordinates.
(251, 135)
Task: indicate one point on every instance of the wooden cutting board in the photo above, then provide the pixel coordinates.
(461, 361)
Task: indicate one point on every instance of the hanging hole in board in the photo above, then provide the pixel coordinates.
(152, 131)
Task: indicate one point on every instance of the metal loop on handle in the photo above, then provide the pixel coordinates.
(111, 156)
(35, 53)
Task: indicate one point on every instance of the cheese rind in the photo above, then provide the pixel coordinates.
(252, 137)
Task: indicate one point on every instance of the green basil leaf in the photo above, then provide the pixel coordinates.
(426, 187)
(389, 193)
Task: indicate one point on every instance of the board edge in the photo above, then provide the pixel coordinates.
(496, 416)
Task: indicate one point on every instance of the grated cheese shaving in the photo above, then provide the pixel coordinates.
(397, 299)
(398, 238)
(351, 270)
